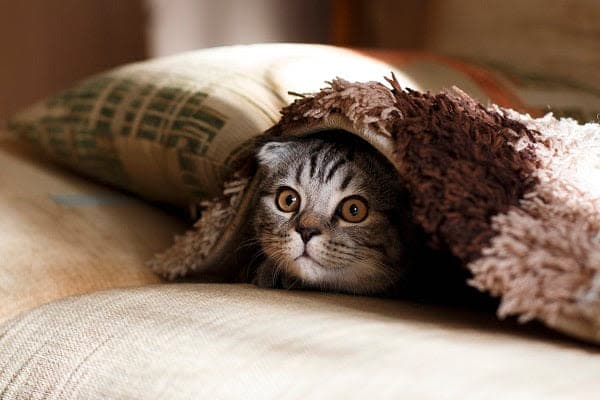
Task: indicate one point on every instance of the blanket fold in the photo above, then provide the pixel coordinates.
(514, 198)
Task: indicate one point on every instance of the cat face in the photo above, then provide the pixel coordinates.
(328, 215)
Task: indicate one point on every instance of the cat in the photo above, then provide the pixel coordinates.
(332, 215)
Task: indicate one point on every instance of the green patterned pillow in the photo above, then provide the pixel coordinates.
(168, 128)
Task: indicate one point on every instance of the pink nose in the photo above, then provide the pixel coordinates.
(307, 233)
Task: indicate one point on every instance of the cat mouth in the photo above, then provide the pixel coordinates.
(307, 256)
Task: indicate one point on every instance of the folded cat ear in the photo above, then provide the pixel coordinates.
(272, 153)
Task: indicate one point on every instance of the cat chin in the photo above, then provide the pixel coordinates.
(308, 269)
(311, 271)
(340, 279)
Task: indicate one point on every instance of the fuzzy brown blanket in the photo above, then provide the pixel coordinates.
(514, 198)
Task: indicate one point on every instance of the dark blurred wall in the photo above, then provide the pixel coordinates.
(558, 38)
(392, 24)
(47, 44)
(181, 25)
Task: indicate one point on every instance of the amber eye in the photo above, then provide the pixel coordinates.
(287, 199)
(353, 209)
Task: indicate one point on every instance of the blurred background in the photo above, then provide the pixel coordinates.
(47, 44)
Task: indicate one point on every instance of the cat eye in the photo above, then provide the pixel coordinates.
(353, 209)
(287, 199)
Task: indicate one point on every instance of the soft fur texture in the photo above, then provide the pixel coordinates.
(314, 246)
(514, 198)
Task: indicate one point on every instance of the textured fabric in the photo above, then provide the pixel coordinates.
(516, 199)
(240, 342)
(61, 235)
(545, 257)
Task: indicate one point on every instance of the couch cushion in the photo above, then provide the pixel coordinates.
(61, 235)
(235, 341)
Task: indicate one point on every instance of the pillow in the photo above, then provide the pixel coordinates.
(169, 128)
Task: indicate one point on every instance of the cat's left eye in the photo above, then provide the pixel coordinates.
(353, 209)
(287, 199)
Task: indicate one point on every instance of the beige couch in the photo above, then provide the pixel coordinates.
(82, 317)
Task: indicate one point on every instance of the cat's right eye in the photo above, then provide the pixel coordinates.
(287, 199)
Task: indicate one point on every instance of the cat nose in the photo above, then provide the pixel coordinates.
(307, 233)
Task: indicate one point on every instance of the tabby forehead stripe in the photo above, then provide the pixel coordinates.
(346, 182)
(313, 164)
(334, 168)
(299, 172)
(327, 160)
(313, 159)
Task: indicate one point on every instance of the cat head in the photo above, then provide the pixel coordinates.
(331, 214)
